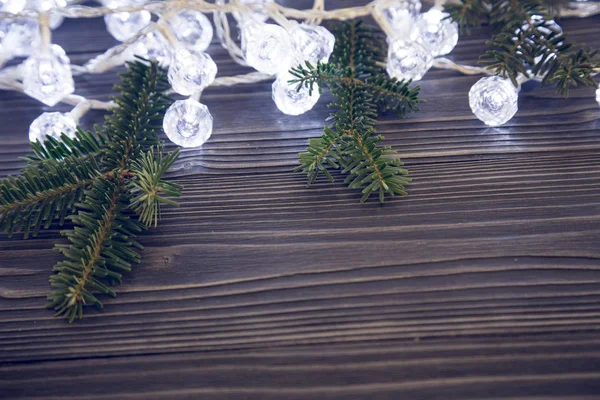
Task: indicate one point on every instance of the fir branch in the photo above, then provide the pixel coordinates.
(374, 168)
(362, 90)
(133, 126)
(320, 153)
(389, 93)
(41, 195)
(509, 15)
(468, 13)
(359, 49)
(84, 144)
(146, 188)
(102, 245)
(527, 39)
(109, 183)
(506, 56)
(500, 14)
(100, 250)
(572, 69)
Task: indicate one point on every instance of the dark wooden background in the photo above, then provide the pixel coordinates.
(484, 283)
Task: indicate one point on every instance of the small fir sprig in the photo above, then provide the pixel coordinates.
(108, 183)
(527, 42)
(362, 90)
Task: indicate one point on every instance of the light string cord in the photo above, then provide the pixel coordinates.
(317, 12)
(10, 77)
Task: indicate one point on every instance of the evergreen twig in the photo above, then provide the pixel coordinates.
(109, 183)
(362, 91)
(84, 144)
(44, 194)
(526, 41)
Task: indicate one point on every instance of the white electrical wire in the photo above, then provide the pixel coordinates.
(111, 58)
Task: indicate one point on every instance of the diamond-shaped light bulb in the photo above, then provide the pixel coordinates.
(493, 100)
(19, 36)
(408, 60)
(153, 46)
(47, 75)
(125, 25)
(313, 43)
(259, 15)
(267, 47)
(291, 101)
(52, 124)
(192, 29)
(188, 123)
(190, 72)
(12, 6)
(440, 34)
(401, 13)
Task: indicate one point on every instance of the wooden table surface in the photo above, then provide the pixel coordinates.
(483, 283)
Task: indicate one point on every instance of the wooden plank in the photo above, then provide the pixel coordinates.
(483, 283)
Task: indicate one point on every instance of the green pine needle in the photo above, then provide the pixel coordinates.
(146, 188)
(527, 46)
(362, 91)
(43, 194)
(109, 183)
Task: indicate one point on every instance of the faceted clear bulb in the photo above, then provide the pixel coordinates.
(188, 123)
(192, 29)
(12, 6)
(401, 14)
(153, 46)
(441, 35)
(493, 100)
(47, 76)
(123, 26)
(259, 15)
(51, 124)
(408, 60)
(267, 47)
(190, 71)
(19, 37)
(291, 101)
(313, 43)
(56, 19)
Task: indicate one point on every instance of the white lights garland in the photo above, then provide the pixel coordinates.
(182, 33)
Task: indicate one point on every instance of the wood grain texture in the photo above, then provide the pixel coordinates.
(483, 283)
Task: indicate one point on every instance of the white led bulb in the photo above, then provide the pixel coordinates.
(408, 60)
(437, 32)
(289, 99)
(47, 75)
(188, 123)
(312, 43)
(493, 100)
(51, 124)
(267, 47)
(190, 72)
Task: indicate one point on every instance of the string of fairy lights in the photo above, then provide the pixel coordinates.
(274, 38)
